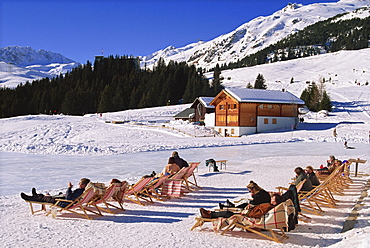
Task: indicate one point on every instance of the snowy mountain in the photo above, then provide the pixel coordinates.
(21, 64)
(254, 35)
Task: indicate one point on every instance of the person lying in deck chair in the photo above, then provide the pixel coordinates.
(259, 196)
(70, 195)
(254, 212)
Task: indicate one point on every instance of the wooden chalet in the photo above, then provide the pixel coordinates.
(246, 111)
(201, 107)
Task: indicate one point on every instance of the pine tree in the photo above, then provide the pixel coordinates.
(249, 86)
(260, 82)
(217, 80)
(325, 103)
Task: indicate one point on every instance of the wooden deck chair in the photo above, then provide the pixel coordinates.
(134, 193)
(274, 221)
(81, 203)
(313, 200)
(106, 199)
(151, 190)
(190, 173)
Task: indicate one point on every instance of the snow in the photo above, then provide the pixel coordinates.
(47, 151)
(256, 34)
(259, 95)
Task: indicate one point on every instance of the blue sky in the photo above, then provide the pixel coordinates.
(80, 29)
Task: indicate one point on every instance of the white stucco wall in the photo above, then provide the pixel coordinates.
(281, 123)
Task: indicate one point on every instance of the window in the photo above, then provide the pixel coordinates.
(266, 121)
(261, 106)
(231, 106)
(274, 121)
(232, 118)
(222, 107)
(269, 106)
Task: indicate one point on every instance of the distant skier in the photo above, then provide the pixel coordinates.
(347, 147)
(335, 133)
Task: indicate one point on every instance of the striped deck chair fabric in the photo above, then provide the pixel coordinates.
(134, 192)
(105, 199)
(156, 186)
(188, 174)
(172, 188)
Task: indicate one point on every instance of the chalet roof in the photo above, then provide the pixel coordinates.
(185, 113)
(263, 96)
(206, 101)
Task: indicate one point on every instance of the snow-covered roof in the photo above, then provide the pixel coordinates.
(206, 101)
(263, 96)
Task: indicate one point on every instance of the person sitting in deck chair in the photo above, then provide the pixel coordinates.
(253, 212)
(300, 176)
(259, 196)
(312, 176)
(70, 195)
(179, 161)
(171, 168)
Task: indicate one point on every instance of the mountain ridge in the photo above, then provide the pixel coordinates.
(252, 36)
(20, 64)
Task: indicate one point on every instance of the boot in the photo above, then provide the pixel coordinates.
(26, 197)
(229, 204)
(205, 213)
(34, 192)
(221, 205)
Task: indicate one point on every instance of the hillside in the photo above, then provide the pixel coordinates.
(21, 64)
(253, 35)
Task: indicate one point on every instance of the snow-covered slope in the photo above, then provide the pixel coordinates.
(254, 35)
(21, 64)
(339, 69)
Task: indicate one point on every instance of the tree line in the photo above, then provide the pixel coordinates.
(110, 84)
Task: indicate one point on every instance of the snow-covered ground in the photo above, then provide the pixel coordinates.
(48, 151)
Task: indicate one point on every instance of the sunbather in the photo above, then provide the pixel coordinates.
(70, 195)
(259, 196)
(179, 161)
(253, 212)
(300, 176)
(171, 168)
(312, 176)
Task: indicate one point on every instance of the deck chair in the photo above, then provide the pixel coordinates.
(173, 186)
(81, 204)
(134, 193)
(109, 195)
(190, 172)
(274, 221)
(154, 187)
(313, 200)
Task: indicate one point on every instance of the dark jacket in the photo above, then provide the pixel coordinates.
(307, 186)
(71, 195)
(181, 162)
(260, 197)
(314, 180)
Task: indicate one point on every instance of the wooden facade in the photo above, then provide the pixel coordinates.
(230, 112)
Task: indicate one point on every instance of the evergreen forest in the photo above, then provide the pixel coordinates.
(110, 84)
